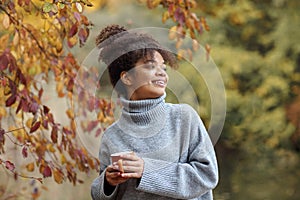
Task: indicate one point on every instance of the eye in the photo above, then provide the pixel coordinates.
(150, 66)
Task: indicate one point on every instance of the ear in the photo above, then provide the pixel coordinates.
(125, 78)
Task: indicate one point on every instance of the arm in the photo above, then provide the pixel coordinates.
(100, 189)
(186, 180)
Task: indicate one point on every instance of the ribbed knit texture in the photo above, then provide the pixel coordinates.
(179, 158)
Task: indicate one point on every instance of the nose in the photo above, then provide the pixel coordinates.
(161, 71)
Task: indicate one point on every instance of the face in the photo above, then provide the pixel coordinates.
(148, 79)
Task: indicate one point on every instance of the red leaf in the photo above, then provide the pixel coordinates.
(85, 20)
(35, 127)
(9, 165)
(27, 2)
(12, 62)
(13, 87)
(54, 134)
(73, 30)
(11, 100)
(33, 107)
(19, 106)
(45, 124)
(70, 85)
(83, 35)
(40, 180)
(67, 131)
(46, 109)
(98, 132)
(2, 132)
(41, 91)
(179, 16)
(21, 76)
(91, 104)
(3, 61)
(47, 172)
(24, 152)
(92, 125)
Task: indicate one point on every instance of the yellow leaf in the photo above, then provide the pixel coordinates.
(195, 45)
(50, 148)
(4, 41)
(166, 16)
(29, 122)
(30, 167)
(70, 113)
(73, 125)
(6, 22)
(181, 54)
(16, 39)
(58, 177)
(2, 112)
(173, 33)
(179, 43)
(101, 116)
(63, 159)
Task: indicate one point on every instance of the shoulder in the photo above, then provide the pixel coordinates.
(110, 131)
(183, 110)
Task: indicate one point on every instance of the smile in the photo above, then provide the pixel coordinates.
(159, 83)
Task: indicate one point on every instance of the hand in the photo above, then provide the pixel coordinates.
(133, 166)
(113, 177)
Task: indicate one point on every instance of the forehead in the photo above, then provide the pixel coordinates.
(151, 56)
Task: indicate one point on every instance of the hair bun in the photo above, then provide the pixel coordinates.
(107, 33)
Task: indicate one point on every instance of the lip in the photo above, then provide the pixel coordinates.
(160, 82)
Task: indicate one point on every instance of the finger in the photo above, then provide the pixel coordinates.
(112, 168)
(113, 175)
(131, 175)
(131, 163)
(120, 165)
(132, 156)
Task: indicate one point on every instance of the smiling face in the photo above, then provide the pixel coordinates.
(147, 80)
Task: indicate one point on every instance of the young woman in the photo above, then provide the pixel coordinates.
(173, 157)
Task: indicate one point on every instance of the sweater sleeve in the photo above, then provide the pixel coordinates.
(184, 180)
(98, 185)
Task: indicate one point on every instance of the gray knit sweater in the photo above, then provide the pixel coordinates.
(179, 158)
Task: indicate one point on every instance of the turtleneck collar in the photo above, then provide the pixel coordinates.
(141, 106)
(142, 116)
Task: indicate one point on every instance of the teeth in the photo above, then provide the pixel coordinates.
(159, 82)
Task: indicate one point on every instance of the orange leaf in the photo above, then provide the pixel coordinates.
(30, 167)
(70, 113)
(58, 176)
(59, 89)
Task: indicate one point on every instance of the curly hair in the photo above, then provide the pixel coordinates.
(121, 50)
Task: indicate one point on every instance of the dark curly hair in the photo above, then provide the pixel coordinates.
(121, 50)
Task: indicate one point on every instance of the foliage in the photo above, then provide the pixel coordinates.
(36, 40)
(31, 46)
(255, 46)
(187, 23)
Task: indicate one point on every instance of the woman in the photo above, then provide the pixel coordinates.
(173, 155)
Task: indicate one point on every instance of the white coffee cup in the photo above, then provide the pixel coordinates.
(115, 157)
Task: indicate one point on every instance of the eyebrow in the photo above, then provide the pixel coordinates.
(153, 61)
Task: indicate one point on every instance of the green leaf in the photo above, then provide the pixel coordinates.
(47, 7)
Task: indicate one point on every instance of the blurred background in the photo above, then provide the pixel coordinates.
(255, 45)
